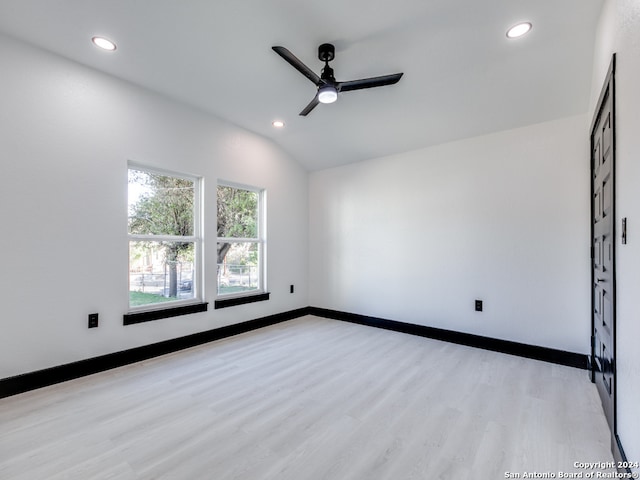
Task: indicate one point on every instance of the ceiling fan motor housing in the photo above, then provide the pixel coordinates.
(327, 75)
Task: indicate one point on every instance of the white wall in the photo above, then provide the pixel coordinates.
(66, 133)
(619, 31)
(417, 237)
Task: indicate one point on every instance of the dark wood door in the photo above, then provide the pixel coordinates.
(603, 251)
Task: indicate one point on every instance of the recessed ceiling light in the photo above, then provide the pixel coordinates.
(278, 123)
(104, 43)
(518, 30)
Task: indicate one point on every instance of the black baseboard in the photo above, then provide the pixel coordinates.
(42, 378)
(551, 355)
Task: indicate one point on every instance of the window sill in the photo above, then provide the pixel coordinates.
(149, 315)
(232, 302)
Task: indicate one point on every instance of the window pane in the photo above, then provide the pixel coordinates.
(160, 272)
(160, 204)
(238, 270)
(237, 212)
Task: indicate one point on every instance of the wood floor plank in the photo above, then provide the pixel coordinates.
(310, 398)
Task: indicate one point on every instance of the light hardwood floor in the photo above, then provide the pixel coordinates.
(309, 399)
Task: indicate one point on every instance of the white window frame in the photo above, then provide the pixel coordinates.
(260, 240)
(196, 238)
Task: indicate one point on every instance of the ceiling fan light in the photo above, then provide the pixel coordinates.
(327, 94)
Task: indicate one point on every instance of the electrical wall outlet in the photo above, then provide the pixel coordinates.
(478, 305)
(93, 320)
(291, 289)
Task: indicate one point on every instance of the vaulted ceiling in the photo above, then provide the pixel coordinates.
(462, 76)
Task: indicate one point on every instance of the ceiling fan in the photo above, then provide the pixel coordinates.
(328, 87)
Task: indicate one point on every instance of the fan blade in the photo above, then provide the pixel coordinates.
(312, 104)
(298, 65)
(369, 82)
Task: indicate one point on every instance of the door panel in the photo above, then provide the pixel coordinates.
(603, 256)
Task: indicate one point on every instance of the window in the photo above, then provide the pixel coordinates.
(241, 244)
(164, 239)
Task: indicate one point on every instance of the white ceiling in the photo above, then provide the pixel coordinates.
(462, 76)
